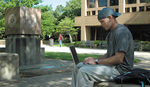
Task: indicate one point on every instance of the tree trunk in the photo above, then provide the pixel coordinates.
(70, 37)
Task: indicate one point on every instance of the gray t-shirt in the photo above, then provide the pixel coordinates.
(120, 39)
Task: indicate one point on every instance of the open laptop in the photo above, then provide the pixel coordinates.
(74, 55)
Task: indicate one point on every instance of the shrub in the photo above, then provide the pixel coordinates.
(145, 45)
(97, 42)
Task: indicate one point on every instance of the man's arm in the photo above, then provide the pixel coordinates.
(116, 59)
(90, 60)
(104, 56)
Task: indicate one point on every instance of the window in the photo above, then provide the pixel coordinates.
(133, 9)
(88, 13)
(142, 1)
(99, 11)
(113, 2)
(141, 8)
(102, 3)
(147, 8)
(93, 12)
(91, 3)
(117, 10)
(130, 1)
(127, 10)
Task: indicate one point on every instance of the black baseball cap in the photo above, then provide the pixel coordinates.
(105, 12)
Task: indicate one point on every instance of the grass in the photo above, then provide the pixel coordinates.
(67, 56)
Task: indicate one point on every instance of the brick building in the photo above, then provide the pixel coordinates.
(135, 14)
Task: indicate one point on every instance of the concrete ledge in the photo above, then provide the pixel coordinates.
(113, 84)
(42, 51)
(9, 66)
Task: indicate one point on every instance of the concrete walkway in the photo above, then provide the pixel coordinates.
(62, 78)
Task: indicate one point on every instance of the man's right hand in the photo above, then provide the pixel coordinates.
(89, 60)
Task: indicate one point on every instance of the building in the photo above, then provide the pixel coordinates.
(135, 14)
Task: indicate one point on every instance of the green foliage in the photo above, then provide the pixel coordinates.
(4, 4)
(148, 1)
(47, 23)
(136, 60)
(72, 9)
(58, 11)
(44, 8)
(47, 20)
(67, 56)
(97, 42)
(65, 26)
(76, 44)
(145, 45)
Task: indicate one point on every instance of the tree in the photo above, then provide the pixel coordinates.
(4, 4)
(72, 9)
(66, 26)
(47, 20)
(57, 13)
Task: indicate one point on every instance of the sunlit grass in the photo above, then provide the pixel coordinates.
(67, 56)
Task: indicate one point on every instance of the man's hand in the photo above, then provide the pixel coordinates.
(89, 60)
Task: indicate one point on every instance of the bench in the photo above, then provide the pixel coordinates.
(113, 84)
(86, 43)
(138, 45)
(103, 44)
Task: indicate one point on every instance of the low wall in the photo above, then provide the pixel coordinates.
(9, 66)
(2, 42)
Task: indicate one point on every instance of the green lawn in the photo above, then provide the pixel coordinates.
(67, 56)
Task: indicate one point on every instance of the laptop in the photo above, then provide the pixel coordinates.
(74, 55)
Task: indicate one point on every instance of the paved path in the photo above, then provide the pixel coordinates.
(64, 79)
(144, 56)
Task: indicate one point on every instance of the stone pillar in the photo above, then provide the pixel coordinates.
(27, 47)
(122, 6)
(83, 33)
(9, 66)
(23, 27)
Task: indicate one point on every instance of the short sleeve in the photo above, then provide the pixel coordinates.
(122, 42)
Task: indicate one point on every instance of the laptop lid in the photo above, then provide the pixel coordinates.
(74, 55)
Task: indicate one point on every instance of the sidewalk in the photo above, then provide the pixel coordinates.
(62, 78)
(144, 56)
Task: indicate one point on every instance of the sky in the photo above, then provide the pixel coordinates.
(54, 3)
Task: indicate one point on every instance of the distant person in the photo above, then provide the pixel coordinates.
(60, 40)
(118, 59)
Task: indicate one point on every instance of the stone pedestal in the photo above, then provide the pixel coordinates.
(42, 52)
(9, 66)
(23, 27)
(26, 46)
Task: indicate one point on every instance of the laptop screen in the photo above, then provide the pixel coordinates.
(74, 54)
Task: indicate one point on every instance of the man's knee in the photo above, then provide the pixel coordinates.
(82, 69)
